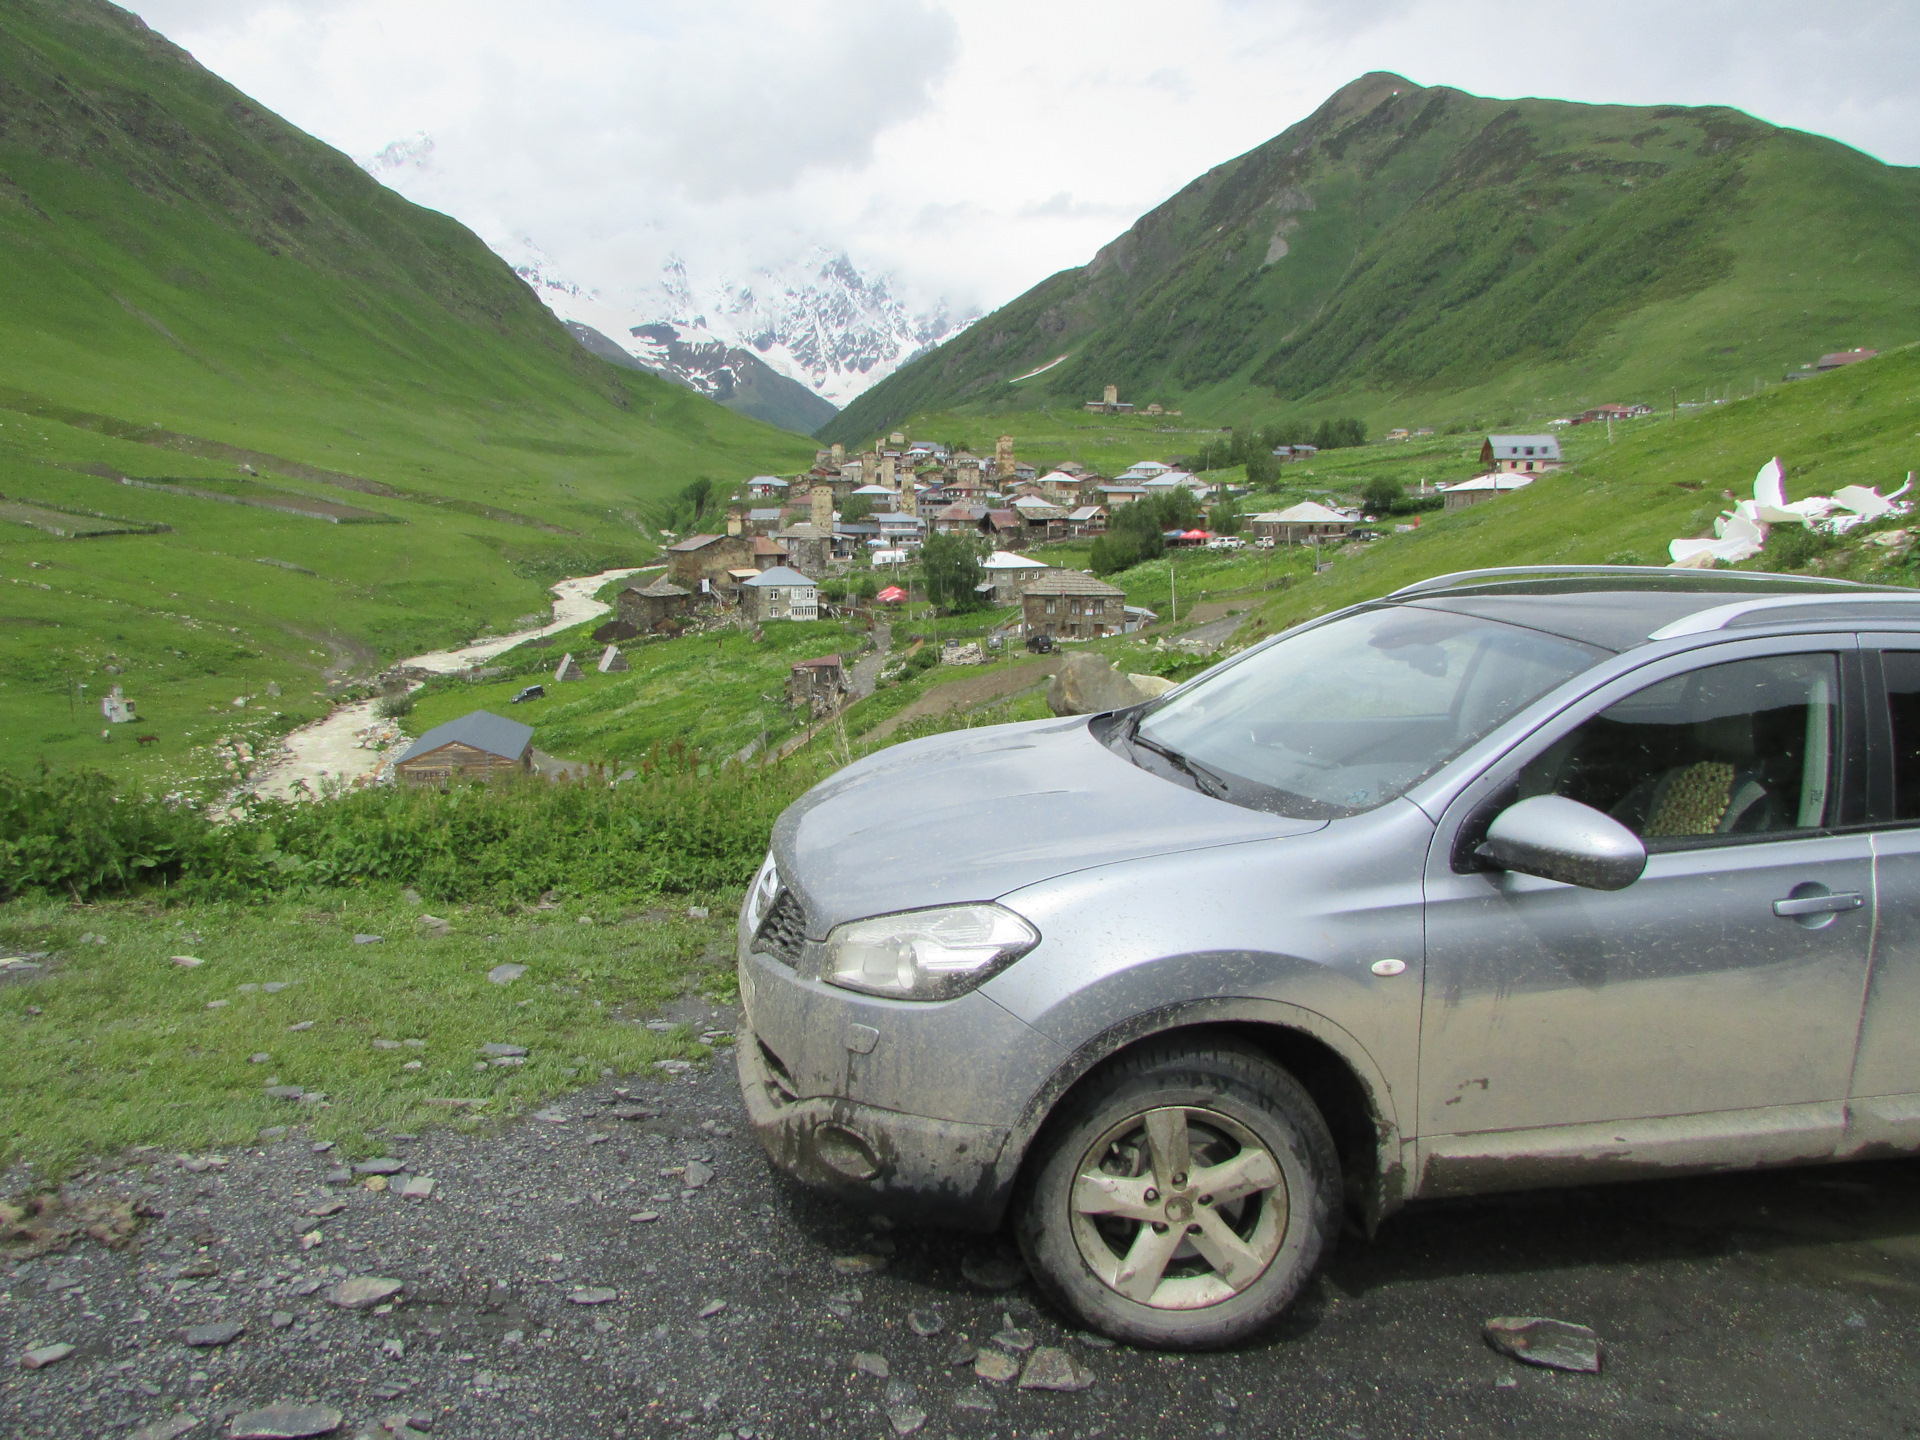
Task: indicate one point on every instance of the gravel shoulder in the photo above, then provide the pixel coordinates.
(538, 1300)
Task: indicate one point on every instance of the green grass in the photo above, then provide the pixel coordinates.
(1657, 481)
(122, 1048)
(710, 692)
(1453, 258)
(188, 285)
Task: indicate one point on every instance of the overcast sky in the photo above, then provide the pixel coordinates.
(970, 147)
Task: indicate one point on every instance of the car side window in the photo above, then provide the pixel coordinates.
(1745, 748)
(1902, 671)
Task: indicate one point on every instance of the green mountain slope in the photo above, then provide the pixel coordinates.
(194, 292)
(1420, 254)
(1622, 499)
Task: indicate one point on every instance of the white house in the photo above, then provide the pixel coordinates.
(780, 594)
(767, 487)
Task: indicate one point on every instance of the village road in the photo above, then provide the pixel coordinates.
(625, 1264)
(866, 670)
(353, 742)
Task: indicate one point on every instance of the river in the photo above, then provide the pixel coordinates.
(354, 746)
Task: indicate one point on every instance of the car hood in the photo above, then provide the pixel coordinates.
(977, 813)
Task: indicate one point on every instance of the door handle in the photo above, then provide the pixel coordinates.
(1818, 904)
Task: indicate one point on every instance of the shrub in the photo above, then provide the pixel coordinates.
(392, 707)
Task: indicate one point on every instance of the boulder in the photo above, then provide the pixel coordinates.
(1089, 685)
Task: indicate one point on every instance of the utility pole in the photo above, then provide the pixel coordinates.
(1173, 589)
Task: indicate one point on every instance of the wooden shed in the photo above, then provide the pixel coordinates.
(478, 746)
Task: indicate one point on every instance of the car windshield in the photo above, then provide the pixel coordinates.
(1350, 714)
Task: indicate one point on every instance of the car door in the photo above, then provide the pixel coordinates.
(1885, 1107)
(1705, 1014)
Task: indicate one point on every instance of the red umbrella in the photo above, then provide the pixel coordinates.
(1194, 535)
(892, 595)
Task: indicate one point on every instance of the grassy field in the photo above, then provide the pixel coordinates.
(1659, 480)
(193, 291)
(128, 1048)
(717, 693)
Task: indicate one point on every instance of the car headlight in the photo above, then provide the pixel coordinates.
(766, 889)
(926, 954)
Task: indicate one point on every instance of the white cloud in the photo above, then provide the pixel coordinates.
(972, 146)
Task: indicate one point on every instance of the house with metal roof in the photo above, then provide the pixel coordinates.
(1300, 524)
(477, 746)
(1527, 454)
(780, 594)
(1483, 487)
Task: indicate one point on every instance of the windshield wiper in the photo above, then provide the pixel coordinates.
(1204, 780)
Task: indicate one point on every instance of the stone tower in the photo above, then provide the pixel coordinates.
(1112, 396)
(1003, 457)
(888, 475)
(909, 502)
(822, 516)
(839, 453)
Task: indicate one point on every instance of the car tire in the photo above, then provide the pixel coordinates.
(1100, 1206)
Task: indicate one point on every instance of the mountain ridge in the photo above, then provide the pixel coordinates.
(1409, 246)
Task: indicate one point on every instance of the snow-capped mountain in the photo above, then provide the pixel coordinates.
(816, 320)
(819, 321)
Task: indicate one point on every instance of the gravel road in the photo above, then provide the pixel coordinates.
(539, 1301)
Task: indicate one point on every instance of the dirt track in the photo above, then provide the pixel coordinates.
(989, 683)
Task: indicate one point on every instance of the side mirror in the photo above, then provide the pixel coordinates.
(1560, 839)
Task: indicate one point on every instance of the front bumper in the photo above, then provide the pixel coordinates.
(940, 1172)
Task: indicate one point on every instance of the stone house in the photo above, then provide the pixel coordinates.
(1300, 524)
(1087, 520)
(645, 607)
(477, 746)
(820, 685)
(701, 562)
(1005, 574)
(1482, 488)
(1072, 605)
(780, 594)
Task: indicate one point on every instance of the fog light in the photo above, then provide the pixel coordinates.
(838, 1148)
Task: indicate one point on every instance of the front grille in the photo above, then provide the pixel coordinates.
(783, 931)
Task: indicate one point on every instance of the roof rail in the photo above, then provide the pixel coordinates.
(1643, 572)
(1719, 617)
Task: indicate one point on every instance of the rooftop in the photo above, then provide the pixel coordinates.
(1071, 582)
(780, 575)
(481, 729)
(661, 589)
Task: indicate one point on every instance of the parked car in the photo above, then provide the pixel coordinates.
(1040, 644)
(1265, 542)
(532, 692)
(1513, 878)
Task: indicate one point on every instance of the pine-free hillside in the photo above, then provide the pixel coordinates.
(1622, 500)
(1418, 254)
(199, 297)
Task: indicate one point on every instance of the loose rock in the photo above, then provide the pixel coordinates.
(1050, 1368)
(45, 1355)
(187, 962)
(973, 1398)
(361, 1291)
(495, 1047)
(925, 1323)
(993, 1272)
(368, 939)
(171, 1428)
(506, 974)
(285, 1422)
(385, 1165)
(905, 1419)
(852, 1264)
(866, 1362)
(992, 1365)
(284, 1092)
(1553, 1344)
(221, 1332)
(696, 1175)
(593, 1295)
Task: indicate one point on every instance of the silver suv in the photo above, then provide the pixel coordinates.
(1514, 878)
